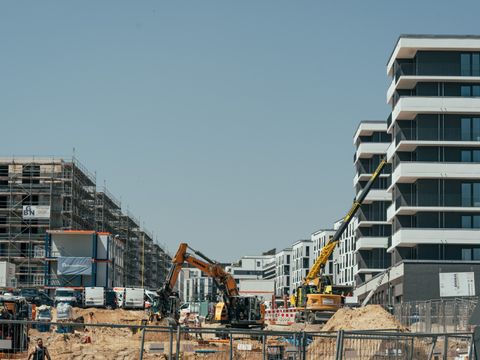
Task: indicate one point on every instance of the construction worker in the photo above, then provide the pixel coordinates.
(198, 325)
(40, 352)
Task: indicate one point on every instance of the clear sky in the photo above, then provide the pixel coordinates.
(227, 125)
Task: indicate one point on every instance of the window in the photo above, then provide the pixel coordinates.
(476, 254)
(465, 129)
(307, 250)
(466, 222)
(466, 156)
(466, 254)
(465, 91)
(258, 264)
(466, 194)
(465, 65)
(476, 194)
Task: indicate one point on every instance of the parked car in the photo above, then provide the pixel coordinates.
(111, 299)
(36, 297)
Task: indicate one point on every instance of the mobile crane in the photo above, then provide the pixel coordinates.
(316, 299)
(234, 310)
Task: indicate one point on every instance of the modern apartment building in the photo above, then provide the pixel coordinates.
(40, 194)
(344, 255)
(302, 261)
(282, 272)
(372, 229)
(319, 239)
(435, 156)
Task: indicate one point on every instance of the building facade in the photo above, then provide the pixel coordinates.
(372, 229)
(40, 194)
(435, 157)
(282, 272)
(319, 239)
(302, 261)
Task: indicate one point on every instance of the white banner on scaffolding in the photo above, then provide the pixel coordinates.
(74, 266)
(36, 212)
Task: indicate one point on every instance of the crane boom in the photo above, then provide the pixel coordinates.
(328, 249)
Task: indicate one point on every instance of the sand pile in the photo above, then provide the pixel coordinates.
(370, 317)
(117, 316)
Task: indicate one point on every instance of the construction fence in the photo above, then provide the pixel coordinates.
(436, 316)
(140, 341)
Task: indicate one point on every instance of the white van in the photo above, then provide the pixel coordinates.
(65, 295)
(94, 297)
(134, 298)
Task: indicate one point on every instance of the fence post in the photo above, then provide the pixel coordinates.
(170, 355)
(434, 343)
(412, 347)
(445, 347)
(231, 346)
(304, 345)
(142, 342)
(470, 348)
(339, 347)
(264, 347)
(177, 355)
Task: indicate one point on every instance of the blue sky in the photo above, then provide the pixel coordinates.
(227, 125)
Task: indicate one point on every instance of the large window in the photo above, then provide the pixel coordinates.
(470, 129)
(470, 64)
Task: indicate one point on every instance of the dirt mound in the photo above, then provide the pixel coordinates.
(117, 316)
(370, 317)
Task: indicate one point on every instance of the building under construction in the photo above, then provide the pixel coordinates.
(37, 194)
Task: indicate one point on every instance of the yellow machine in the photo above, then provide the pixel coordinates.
(234, 310)
(317, 298)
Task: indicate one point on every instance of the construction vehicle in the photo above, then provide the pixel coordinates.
(234, 310)
(317, 299)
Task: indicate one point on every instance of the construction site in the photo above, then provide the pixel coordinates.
(394, 276)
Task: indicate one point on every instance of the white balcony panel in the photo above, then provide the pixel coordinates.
(408, 172)
(367, 128)
(368, 149)
(366, 243)
(411, 237)
(410, 81)
(409, 106)
(377, 195)
(391, 212)
(391, 151)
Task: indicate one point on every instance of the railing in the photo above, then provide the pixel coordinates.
(444, 315)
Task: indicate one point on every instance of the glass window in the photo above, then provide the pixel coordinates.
(466, 254)
(465, 90)
(476, 64)
(476, 155)
(475, 90)
(465, 128)
(476, 254)
(465, 64)
(466, 195)
(476, 222)
(476, 194)
(466, 222)
(476, 129)
(466, 156)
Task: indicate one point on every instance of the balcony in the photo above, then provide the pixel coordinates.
(368, 149)
(368, 243)
(409, 106)
(377, 195)
(409, 172)
(408, 237)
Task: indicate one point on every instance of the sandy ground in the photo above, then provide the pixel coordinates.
(124, 343)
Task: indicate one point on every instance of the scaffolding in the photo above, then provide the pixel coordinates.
(68, 190)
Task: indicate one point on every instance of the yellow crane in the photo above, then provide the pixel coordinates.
(316, 299)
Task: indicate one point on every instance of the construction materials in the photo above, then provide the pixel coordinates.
(7, 274)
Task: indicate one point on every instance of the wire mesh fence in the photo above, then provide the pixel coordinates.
(141, 341)
(436, 316)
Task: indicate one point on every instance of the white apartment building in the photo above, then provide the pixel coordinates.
(302, 261)
(372, 228)
(194, 286)
(344, 255)
(435, 157)
(283, 261)
(319, 239)
(249, 267)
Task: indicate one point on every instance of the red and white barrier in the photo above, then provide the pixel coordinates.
(280, 316)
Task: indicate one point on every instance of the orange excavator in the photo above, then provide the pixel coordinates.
(234, 310)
